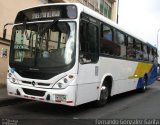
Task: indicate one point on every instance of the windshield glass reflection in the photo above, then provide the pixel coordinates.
(55, 47)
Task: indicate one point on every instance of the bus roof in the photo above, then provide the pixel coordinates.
(97, 16)
(113, 24)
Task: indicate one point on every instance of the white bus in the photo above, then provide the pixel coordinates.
(68, 54)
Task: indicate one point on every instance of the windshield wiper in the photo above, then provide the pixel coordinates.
(48, 26)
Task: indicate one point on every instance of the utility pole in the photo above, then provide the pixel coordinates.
(117, 10)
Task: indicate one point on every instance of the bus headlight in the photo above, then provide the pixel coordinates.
(64, 82)
(12, 78)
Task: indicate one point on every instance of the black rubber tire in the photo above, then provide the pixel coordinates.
(144, 88)
(104, 96)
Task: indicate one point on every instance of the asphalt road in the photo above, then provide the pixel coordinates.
(131, 105)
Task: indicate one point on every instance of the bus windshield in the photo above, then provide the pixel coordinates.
(37, 47)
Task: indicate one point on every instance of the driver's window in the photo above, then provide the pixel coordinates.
(88, 42)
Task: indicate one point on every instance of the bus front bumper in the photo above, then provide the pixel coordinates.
(57, 96)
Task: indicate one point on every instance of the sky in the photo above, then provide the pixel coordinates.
(142, 18)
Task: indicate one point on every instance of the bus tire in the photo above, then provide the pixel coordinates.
(104, 96)
(144, 87)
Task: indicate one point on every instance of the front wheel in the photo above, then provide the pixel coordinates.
(104, 95)
(144, 88)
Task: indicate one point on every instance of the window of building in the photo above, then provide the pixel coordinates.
(101, 6)
(109, 12)
(105, 9)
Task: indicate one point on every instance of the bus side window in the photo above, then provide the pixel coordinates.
(108, 47)
(120, 40)
(139, 52)
(130, 48)
(155, 55)
(107, 33)
(145, 53)
(150, 54)
(88, 42)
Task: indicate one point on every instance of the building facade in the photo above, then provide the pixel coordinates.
(107, 8)
(9, 9)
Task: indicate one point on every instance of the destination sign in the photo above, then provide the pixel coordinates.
(47, 13)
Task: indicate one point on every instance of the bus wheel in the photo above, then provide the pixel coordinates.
(143, 89)
(104, 95)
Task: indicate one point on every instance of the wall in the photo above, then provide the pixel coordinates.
(3, 62)
(9, 9)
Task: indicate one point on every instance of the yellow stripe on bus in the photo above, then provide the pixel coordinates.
(141, 69)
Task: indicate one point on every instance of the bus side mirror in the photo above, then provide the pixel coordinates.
(4, 33)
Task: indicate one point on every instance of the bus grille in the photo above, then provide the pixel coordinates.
(33, 92)
(35, 75)
(39, 84)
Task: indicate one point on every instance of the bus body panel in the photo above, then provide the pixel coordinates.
(120, 73)
(126, 74)
(130, 74)
(69, 92)
(87, 83)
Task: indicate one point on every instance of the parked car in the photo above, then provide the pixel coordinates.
(158, 78)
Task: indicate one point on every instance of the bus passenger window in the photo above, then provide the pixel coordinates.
(108, 47)
(120, 40)
(150, 55)
(145, 53)
(130, 48)
(107, 33)
(139, 52)
(155, 55)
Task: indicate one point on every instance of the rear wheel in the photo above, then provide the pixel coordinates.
(143, 89)
(104, 96)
